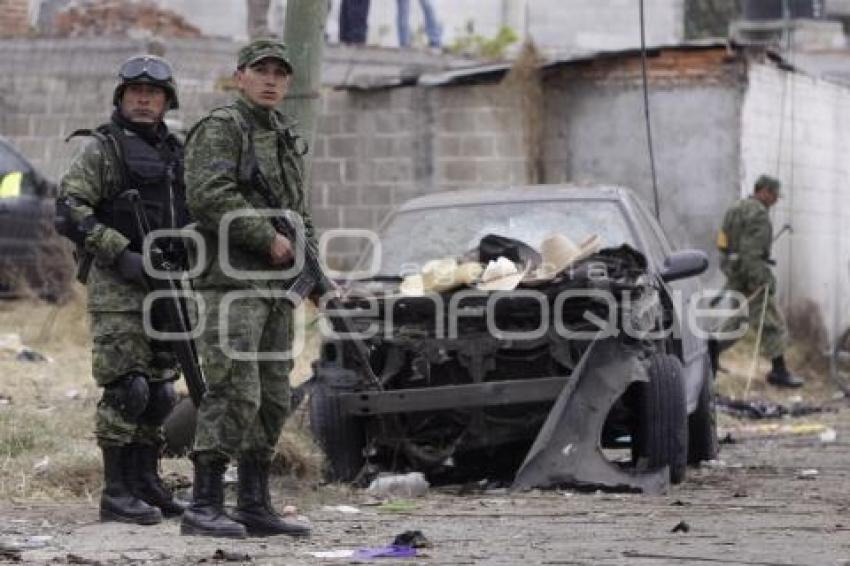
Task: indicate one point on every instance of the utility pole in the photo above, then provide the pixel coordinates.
(786, 27)
(304, 35)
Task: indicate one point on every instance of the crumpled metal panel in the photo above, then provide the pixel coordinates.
(567, 448)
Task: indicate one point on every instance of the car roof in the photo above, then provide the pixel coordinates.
(7, 147)
(522, 193)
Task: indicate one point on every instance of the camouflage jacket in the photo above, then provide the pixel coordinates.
(217, 184)
(745, 240)
(94, 177)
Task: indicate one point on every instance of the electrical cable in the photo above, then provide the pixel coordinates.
(646, 112)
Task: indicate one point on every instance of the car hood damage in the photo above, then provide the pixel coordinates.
(529, 380)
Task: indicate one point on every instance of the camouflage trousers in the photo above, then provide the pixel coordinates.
(774, 337)
(120, 346)
(247, 401)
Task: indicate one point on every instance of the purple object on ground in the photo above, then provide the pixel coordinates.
(391, 551)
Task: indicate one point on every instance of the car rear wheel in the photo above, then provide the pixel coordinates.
(702, 424)
(661, 438)
(340, 436)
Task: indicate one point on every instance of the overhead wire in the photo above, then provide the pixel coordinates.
(646, 111)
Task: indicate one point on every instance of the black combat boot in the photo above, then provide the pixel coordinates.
(142, 475)
(780, 376)
(254, 507)
(117, 502)
(205, 515)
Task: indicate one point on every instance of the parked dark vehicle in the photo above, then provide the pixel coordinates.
(31, 253)
(626, 410)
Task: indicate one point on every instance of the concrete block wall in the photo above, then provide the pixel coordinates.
(796, 128)
(377, 149)
(54, 87)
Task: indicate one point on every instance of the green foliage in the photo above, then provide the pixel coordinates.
(475, 45)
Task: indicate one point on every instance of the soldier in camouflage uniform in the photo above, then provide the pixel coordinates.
(134, 150)
(744, 242)
(248, 401)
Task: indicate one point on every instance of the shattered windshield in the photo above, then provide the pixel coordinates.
(415, 237)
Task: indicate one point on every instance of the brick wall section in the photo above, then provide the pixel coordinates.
(14, 18)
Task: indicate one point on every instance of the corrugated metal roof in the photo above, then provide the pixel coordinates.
(480, 72)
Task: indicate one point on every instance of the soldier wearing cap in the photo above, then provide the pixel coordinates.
(134, 150)
(246, 317)
(744, 241)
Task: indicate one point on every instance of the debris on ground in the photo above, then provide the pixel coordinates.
(829, 435)
(397, 506)
(12, 348)
(681, 527)
(758, 409)
(413, 539)
(221, 555)
(76, 559)
(339, 553)
(413, 484)
(808, 474)
(390, 551)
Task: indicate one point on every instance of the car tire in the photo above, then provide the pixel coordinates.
(661, 438)
(179, 428)
(340, 436)
(702, 423)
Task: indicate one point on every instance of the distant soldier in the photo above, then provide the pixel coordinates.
(744, 241)
(241, 158)
(134, 150)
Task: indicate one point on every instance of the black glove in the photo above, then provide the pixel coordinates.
(131, 267)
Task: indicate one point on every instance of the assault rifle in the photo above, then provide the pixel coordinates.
(312, 280)
(172, 308)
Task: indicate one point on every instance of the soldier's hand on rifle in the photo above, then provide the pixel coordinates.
(131, 267)
(281, 250)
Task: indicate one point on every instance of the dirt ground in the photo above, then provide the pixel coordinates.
(778, 496)
(751, 508)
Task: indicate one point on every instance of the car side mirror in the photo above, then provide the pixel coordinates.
(686, 263)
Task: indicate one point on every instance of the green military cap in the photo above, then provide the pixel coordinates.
(260, 49)
(767, 182)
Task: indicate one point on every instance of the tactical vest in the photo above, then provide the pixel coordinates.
(155, 172)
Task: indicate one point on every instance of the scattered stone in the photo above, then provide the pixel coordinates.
(828, 435)
(681, 527)
(808, 474)
(77, 559)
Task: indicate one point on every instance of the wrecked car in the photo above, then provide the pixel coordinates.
(584, 373)
(31, 253)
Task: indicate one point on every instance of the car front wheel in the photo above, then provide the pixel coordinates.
(661, 438)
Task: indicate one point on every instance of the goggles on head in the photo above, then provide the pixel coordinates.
(138, 67)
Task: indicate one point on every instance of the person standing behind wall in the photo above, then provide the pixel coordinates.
(353, 22)
(433, 29)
